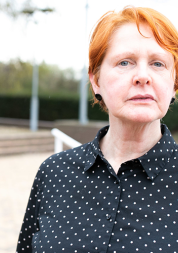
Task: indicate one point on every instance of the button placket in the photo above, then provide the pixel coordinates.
(108, 216)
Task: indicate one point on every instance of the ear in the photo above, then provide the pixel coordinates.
(95, 86)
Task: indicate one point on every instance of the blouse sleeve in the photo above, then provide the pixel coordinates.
(30, 223)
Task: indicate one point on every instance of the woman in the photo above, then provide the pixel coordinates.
(117, 193)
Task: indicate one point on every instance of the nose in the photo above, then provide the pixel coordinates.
(142, 76)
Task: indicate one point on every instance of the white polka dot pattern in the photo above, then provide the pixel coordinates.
(79, 204)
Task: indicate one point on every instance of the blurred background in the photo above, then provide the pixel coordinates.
(43, 85)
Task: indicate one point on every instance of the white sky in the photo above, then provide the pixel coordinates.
(59, 38)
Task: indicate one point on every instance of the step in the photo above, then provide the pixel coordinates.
(26, 149)
(26, 142)
(23, 142)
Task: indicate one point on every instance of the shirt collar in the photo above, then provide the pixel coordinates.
(153, 161)
(157, 157)
(94, 148)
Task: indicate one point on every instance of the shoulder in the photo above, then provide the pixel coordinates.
(80, 157)
(69, 158)
(175, 151)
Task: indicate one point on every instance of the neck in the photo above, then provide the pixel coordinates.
(124, 142)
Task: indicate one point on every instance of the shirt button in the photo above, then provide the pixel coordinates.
(108, 216)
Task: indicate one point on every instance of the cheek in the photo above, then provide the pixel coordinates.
(170, 92)
(112, 83)
(115, 97)
(164, 96)
(115, 90)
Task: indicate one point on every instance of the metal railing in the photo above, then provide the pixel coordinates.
(61, 138)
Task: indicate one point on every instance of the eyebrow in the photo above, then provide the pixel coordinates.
(132, 54)
(158, 54)
(125, 54)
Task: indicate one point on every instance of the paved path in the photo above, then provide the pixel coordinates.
(16, 177)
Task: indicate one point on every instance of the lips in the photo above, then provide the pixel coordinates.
(140, 97)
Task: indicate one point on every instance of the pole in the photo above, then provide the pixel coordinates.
(83, 105)
(34, 107)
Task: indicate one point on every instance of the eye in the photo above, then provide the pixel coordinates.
(158, 64)
(124, 63)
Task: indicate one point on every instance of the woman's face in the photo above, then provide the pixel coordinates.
(136, 76)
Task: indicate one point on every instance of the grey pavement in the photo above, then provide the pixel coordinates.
(16, 177)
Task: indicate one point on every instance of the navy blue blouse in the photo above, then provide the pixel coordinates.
(79, 204)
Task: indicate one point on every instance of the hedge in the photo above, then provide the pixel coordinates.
(171, 118)
(49, 109)
(66, 108)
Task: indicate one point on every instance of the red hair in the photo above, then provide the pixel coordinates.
(163, 30)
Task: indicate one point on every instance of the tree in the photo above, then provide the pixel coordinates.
(16, 79)
(27, 8)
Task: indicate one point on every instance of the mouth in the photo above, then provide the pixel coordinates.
(142, 98)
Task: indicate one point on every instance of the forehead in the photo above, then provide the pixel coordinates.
(131, 29)
(128, 37)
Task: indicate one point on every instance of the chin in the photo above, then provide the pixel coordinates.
(143, 118)
(140, 115)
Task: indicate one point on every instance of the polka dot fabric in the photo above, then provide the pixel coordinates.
(78, 203)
